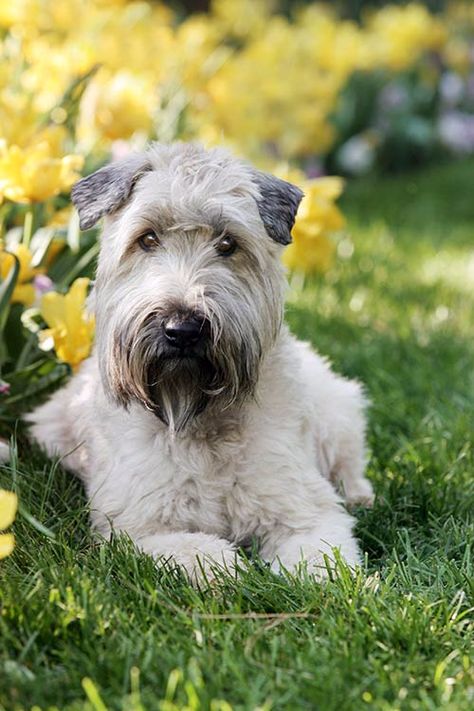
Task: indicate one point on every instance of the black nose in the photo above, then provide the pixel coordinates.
(182, 333)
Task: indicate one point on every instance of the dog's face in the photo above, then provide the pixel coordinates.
(189, 289)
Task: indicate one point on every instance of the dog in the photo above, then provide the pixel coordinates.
(200, 424)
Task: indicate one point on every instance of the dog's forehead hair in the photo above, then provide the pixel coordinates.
(188, 176)
(168, 206)
(166, 218)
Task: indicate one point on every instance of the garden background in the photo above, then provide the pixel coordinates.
(369, 107)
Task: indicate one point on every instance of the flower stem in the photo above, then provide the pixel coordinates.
(2, 223)
(28, 227)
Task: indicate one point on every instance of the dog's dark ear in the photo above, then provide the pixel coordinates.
(277, 205)
(104, 191)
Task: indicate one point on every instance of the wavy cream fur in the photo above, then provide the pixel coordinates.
(280, 430)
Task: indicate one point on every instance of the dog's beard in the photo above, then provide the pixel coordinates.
(219, 373)
(179, 388)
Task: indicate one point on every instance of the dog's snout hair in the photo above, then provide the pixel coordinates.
(193, 232)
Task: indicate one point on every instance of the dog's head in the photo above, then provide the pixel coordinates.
(189, 288)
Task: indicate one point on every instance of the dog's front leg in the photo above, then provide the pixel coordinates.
(199, 554)
(288, 547)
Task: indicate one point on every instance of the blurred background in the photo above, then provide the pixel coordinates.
(351, 86)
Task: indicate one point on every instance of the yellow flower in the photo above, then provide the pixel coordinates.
(8, 508)
(310, 254)
(120, 105)
(312, 249)
(18, 117)
(71, 329)
(241, 19)
(317, 209)
(34, 174)
(285, 106)
(398, 36)
(24, 292)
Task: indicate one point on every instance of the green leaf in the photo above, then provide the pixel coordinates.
(81, 265)
(34, 386)
(6, 290)
(65, 267)
(40, 244)
(71, 98)
(40, 527)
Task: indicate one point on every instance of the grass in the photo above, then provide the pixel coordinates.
(93, 626)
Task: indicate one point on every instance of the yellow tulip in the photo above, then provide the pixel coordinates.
(71, 329)
(24, 292)
(8, 509)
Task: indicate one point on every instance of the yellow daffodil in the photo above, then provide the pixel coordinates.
(243, 19)
(198, 74)
(399, 35)
(310, 254)
(312, 249)
(8, 508)
(33, 174)
(18, 117)
(459, 19)
(24, 292)
(124, 105)
(71, 329)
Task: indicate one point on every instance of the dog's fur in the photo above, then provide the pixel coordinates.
(247, 437)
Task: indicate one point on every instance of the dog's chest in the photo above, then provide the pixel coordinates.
(196, 480)
(181, 484)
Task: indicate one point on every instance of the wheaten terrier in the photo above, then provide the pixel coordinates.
(199, 423)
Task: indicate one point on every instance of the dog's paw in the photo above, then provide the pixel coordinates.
(204, 567)
(5, 453)
(315, 565)
(366, 502)
(316, 554)
(203, 557)
(359, 493)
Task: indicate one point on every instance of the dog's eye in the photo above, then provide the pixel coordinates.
(148, 241)
(226, 245)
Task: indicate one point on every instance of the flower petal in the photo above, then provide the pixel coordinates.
(53, 309)
(8, 508)
(7, 544)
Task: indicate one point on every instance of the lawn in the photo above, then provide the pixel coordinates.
(93, 626)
